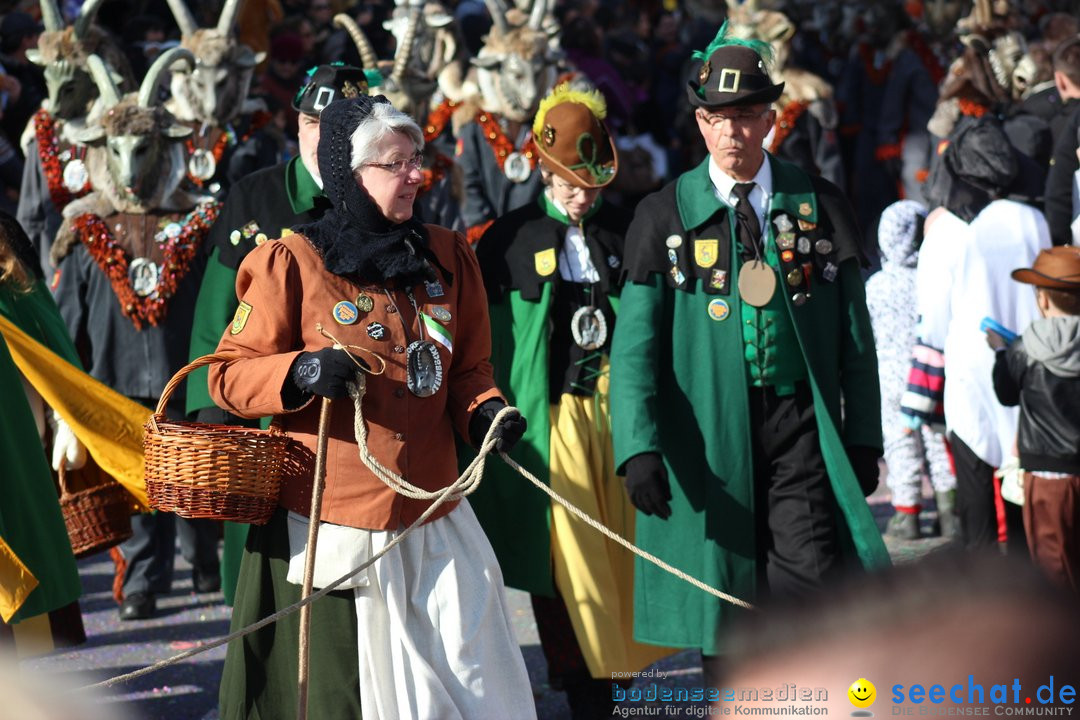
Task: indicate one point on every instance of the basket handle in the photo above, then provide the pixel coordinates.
(181, 375)
(61, 476)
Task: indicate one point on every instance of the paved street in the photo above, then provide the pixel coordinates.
(188, 691)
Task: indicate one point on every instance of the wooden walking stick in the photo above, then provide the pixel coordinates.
(309, 558)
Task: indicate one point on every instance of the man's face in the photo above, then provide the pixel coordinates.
(308, 137)
(733, 137)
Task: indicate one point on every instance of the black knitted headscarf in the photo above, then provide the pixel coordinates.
(354, 238)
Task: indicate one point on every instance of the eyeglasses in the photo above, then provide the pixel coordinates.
(738, 117)
(399, 167)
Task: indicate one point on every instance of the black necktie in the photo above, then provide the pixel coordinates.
(749, 225)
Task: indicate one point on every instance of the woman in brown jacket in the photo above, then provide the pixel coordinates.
(428, 621)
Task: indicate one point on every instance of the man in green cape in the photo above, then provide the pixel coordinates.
(744, 388)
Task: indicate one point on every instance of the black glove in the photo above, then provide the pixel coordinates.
(864, 461)
(507, 433)
(647, 484)
(324, 372)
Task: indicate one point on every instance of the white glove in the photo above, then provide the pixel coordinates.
(67, 448)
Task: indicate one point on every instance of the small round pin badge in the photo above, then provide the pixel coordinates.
(719, 309)
(345, 313)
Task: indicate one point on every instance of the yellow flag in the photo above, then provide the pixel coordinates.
(16, 582)
(108, 424)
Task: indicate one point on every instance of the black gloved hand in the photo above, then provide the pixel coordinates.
(325, 372)
(507, 433)
(647, 484)
(864, 461)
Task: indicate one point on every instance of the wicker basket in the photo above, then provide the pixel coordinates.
(97, 517)
(222, 472)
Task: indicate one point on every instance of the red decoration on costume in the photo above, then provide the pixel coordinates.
(785, 122)
(887, 152)
(500, 144)
(972, 108)
(435, 173)
(437, 119)
(48, 152)
(474, 233)
(259, 118)
(926, 54)
(876, 75)
(112, 258)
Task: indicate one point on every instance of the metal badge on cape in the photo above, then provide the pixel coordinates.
(202, 164)
(143, 275)
(757, 283)
(425, 371)
(589, 328)
(517, 167)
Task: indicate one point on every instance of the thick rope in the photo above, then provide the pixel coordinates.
(464, 485)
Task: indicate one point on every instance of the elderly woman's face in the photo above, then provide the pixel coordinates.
(393, 178)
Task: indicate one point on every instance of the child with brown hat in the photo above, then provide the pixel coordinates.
(1040, 371)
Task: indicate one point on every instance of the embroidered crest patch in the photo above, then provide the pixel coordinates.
(239, 321)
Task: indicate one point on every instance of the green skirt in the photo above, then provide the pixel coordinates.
(260, 675)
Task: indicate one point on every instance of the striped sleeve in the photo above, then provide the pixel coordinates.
(923, 400)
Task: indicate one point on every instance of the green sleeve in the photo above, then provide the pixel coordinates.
(859, 381)
(214, 310)
(635, 369)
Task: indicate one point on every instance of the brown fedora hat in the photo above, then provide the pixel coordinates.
(572, 139)
(1057, 268)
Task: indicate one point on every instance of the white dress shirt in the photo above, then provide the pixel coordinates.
(575, 262)
(760, 196)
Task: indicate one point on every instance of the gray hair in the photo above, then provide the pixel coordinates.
(383, 120)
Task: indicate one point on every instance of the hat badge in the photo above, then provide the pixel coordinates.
(548, 135)
(704, 72)
(350, 90)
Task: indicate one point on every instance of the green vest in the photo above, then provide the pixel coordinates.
(772, 353)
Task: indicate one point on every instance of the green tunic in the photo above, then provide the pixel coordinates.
(680, 377)
(522, 289)
(267, 202)
(30, 518)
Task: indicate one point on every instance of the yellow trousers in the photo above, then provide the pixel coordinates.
(594, 575)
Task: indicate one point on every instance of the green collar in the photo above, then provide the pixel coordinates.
(555, 214)
(792, 193)
(301, 187)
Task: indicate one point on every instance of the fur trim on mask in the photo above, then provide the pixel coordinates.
(210, 47)
(129, 118)
(803, 86)
(64, 46)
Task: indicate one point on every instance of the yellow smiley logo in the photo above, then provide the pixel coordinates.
(862, 693)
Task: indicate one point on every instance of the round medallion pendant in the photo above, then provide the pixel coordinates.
(517, 168)
(76, 176)
(143, 275)
(589, 328)
(757, 283)
(202, 164)
(425, 371)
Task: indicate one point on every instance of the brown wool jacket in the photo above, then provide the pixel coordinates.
(289, 292)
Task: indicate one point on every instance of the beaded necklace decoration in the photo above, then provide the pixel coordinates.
(180, 242)
(51, 164)
(785, 122)
(438, 118)
(972, 108)
(435, 173)
(502, 147)
(227, 139)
